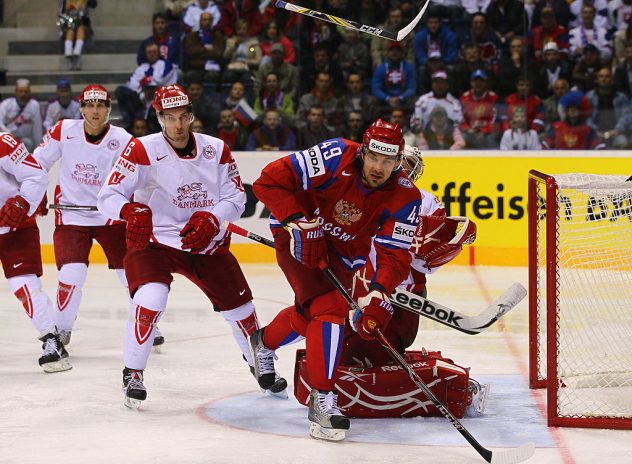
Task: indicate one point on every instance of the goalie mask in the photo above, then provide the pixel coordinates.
(413, 163)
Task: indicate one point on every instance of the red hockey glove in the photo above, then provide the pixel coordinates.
(438, 240)
(139, 225)
(307, 242)
(199, 231)
(376, 314)
(14, 211)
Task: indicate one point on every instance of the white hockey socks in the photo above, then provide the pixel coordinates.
(243, 321)
(72, 277)
(38, 307)
(68, 47)
(78, 47)
(147, 307)
(120, 273)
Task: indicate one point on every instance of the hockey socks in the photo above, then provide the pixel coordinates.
(38, 307)
(324, 344)
(72, 277)
(243, 322)
(147, 307)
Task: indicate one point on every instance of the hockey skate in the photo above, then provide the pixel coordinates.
(263, 369)
(159, 340)
(479, 392)
(64, 337)
(55, 357)
(327, 422)
(133, 388)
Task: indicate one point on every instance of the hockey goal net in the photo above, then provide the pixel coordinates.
(580, 297)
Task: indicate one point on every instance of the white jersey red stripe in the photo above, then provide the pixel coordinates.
(20, 174)
(84, 166)
(174, 187)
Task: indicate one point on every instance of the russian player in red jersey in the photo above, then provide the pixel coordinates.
(369, 384)
(326, 204)
(22, 186)
(184, 186)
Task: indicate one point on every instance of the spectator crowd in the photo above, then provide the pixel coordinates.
(473, 74)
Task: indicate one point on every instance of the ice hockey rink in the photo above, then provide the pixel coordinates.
(203, 405)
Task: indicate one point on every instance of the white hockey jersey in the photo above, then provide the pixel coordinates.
(174, 188)
(24, 122)
(83, 170)
(20, 174)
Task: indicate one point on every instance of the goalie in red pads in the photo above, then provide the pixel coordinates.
(368, 383)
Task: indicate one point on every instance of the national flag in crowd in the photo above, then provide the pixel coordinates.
(244, 113)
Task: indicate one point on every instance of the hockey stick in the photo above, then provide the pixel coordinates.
(470, 325)
(73, 207)
(399, 35)
(510, 456)
(408, 301)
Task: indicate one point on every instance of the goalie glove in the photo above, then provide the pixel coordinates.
(307, 242)
(14, 211)
(438, 240)
(139, 224)
(376, 313)
(198, 233)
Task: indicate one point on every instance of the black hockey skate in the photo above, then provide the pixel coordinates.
(55, 357)
(263, 370)
(159, 340)
(133, 388)
(326, 420)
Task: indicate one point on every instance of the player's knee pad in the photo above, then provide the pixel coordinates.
(329, 307)
(298, 322)
(243, 317)
(73, 274)
(152, 295)
(26, 288)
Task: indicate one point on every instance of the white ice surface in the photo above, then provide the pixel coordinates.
(204, 407)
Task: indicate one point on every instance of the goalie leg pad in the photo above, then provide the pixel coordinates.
(388, 391)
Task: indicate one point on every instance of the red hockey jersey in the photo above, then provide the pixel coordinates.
(323, 182)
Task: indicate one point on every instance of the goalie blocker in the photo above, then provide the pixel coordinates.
(386, 391)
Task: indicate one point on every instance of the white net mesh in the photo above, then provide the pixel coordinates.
(594, 294)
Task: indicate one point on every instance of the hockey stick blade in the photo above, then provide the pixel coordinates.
(397, 36)
(470, 325)
(514, 455)
(73, 207)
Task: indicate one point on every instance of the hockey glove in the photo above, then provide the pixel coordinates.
(198, 233)
(375, 314)
(139, 225)
(307, 242)
(14, 211)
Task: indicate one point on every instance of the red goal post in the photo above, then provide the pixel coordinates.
(580, 297)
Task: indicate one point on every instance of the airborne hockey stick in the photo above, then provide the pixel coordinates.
(399, 35)
(408, 301)
(73, 207)
(510, 456)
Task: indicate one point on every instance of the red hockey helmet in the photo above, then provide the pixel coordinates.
(171, 96)
(384, 137)
(96, 93)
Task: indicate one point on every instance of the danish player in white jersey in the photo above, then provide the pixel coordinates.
(184, 186)
(22, 186)
(87, 149)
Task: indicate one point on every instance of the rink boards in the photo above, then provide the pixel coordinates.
(488, 187)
